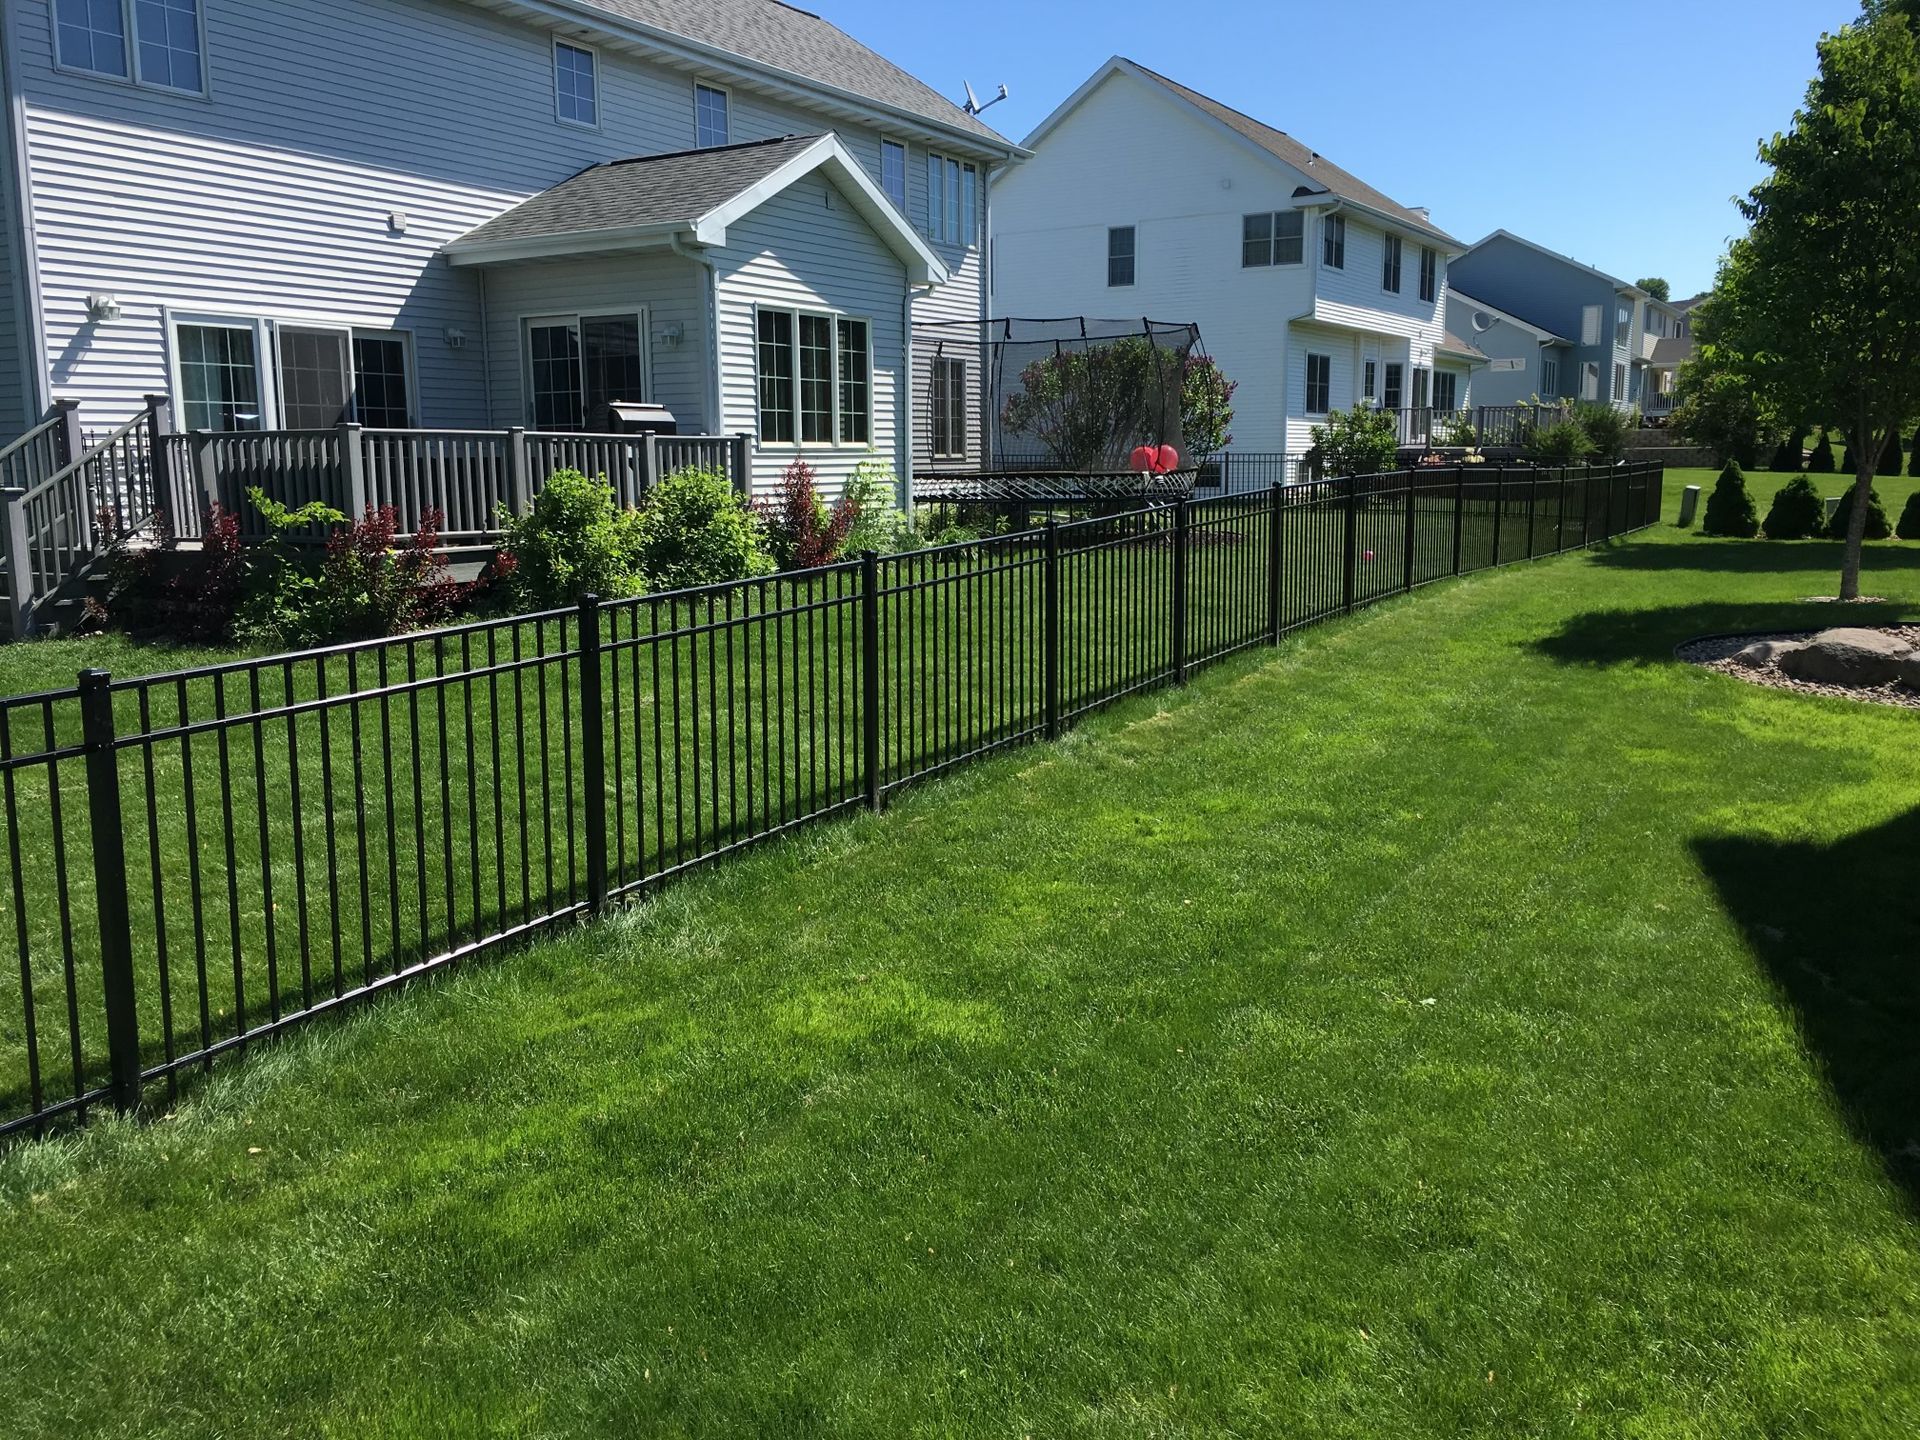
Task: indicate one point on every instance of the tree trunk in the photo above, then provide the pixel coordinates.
(1874, 440)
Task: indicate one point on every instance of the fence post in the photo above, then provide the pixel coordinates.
(20, 595)
(1499, 505)
(742, 475)
(353, 469)
(1050, 608)
(1533, 496)
(593, 756)
(1351, 547)
(72, 441)
(1413, 477)
(1180, 592)
(870, 672)
(206, 470)
(1276, 557)
(1459, 511)
(519, 476)
(159, 426)
(649, 466)
(110, 886)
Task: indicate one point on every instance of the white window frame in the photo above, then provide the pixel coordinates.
(411, 361)
(1273, 260)
(1333, 242)
(726, 96)
(935, 373)
(1590, 380)
(1132, 257)
(1590, 324)
(1549, 376)
(171, 323)
(577, 317)
(1452, 380)
(599, 90)
(1429, 274)
(1306, 398)
(887, 142)
(1619, 383)
(128, 21)
(833, 319)
(953, 207)
(1393, 262)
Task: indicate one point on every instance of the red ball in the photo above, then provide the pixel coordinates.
(1167, 459)
(1143, 458)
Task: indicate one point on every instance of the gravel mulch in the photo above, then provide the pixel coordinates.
(1716, 652)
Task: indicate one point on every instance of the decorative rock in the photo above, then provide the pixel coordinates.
(1762, 653)
(1910, 671)
(1847, 657)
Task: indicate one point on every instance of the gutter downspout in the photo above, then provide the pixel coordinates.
(905, 441)
(24, 256)
(712, 308)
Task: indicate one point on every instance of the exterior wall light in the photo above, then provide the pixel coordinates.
(103, 307)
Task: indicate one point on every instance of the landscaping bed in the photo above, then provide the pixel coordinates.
(1756, 659)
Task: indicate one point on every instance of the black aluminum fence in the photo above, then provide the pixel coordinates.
(199, 860)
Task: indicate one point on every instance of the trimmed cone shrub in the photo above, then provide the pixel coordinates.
(1890, 457)
(1821, 461)
(1877, 526)
(1730, 509)
(1913, 454)
(1797, 513)
(1909, 526)
(1786, 455)
(1847, 467)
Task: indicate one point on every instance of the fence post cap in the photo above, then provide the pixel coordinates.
(93, 678)
(66, 403)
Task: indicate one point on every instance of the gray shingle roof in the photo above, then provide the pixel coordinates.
(1453, 343)
(1284, 147)
(646, 190)
(770, 33)
(1672, 349)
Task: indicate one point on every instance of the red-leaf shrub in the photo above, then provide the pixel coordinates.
(802, 531)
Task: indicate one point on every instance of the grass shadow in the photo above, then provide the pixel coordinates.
(1637, 636)
(1761, 557)
(1838, 927)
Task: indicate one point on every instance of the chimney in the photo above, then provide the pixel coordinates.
(1421, 211)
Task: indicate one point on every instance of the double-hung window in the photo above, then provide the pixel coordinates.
(1429, 272)
(1319, 384)
(816, 378)
(1333, 242)
(576, 84)
(712, 126)
(1549, 376)
(948, 409)
(166, 50)
(1390, 266)
(578, 363)
(953, 201)
(1446, 389)
(1120, 254)
(1395, 387)
(893, 172)
(1272, 238)
(1619, 383)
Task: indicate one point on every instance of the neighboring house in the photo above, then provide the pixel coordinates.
(1600, 315)
(1668, 344)
(1311, 289)
(484, 213)
(1524, 361)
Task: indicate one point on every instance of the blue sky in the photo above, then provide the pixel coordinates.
(1617, 132)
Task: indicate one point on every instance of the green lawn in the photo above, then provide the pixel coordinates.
(1462, 1020)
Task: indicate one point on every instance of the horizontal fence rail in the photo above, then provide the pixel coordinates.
(197, 861)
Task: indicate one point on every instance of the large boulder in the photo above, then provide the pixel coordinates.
(1847, 657)
(1762, 653)
(1910, 670)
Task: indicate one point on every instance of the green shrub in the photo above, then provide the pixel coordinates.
(696, 531)
(1606, 428)
(878, 523)
(1909, 526)
(1821, 461)
(1890, 458)
(1787, 454)
(1847, 466)
(1360, 441)
(1797, 512)
(576, 540)
(1878, 527)
(1730, 509)
(1561, 442)
(1913, 454)
(282, 584)
(1457, 430)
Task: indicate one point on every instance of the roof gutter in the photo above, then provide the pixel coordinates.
(677, 44)
(1421, 232)
(712, 308)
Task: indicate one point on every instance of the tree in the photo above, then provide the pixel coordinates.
(1656, 287)
(1723, 404)
(1824, 308)
(1086, 409)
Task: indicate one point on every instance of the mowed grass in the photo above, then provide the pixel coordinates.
(1463, 1020)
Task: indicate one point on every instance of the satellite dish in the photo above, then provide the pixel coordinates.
(972, 106)
(1483, 322)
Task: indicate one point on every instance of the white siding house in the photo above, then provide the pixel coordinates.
(272, 207)
(1279, 256)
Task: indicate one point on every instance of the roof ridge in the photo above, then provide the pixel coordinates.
(705, 149)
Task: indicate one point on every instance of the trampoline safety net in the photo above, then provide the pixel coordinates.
(1074, 395)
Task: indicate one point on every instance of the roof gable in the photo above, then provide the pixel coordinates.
(694, 194)
(793, 43)
(1623, 286)
(1326, 177)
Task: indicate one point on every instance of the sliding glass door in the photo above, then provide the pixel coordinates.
(578, 363)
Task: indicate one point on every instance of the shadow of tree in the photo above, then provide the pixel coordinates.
(1838, 927)
(1760, 557)
(1632, 636)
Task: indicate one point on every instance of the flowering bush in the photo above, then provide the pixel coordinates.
(878, 523)
(1361, 441)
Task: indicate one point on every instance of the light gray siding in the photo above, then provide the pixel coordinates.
(272, 196)
(671, 291)
(807, 248)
